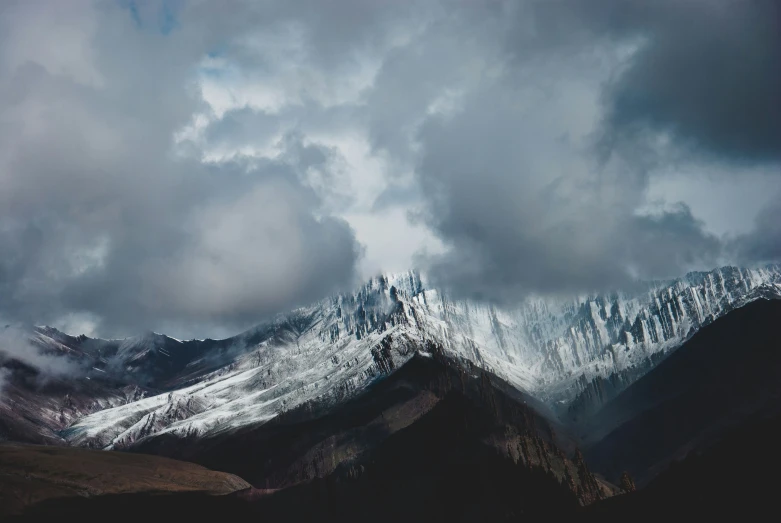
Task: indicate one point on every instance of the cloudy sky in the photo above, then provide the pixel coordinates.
(193, 166)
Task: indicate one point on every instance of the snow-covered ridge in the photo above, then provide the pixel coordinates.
(333, 349)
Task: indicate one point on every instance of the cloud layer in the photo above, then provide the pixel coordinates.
(100, 213)
(192, 168)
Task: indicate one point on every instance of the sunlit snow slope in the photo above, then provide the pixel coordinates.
(553, 349)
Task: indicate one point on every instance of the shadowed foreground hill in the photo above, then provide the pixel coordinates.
(733, 481)
(31, 474)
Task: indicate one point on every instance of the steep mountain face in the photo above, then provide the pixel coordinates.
(725, 375)
(617, 339)
(570, 354)
(672, 313)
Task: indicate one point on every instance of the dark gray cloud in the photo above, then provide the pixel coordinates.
(666, 242)
(707, 73)
(516, 177)
(524, 208)
(100, 216)
(523, 135)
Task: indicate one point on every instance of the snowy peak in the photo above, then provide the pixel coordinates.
(613, 334)
(332, 350)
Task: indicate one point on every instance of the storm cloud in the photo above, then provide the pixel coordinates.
(193, 167)
(101, 214)
(707, 73)
(535, 168)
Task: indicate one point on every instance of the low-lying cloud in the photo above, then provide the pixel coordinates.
(15, 346)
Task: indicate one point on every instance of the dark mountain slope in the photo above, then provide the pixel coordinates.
(437, 440)
(444, 467)
(735, 480)
(434, 417)
(727, 372)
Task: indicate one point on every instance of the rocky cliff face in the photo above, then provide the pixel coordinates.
(726, 376)
(660, 321)
(558, 349)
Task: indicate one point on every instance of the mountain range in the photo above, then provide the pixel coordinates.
(402, 388)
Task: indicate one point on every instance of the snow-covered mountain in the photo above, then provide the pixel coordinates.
(557, 350)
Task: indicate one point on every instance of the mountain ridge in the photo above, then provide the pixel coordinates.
(554, 349)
